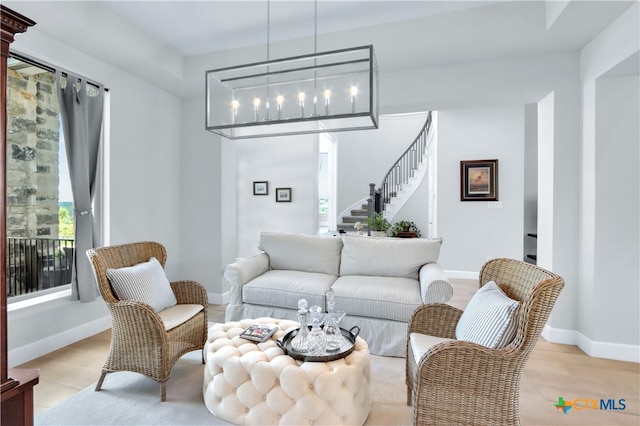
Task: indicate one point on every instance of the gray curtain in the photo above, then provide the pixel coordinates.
(82, 125)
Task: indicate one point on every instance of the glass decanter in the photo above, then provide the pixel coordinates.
(300, 342)
(316, 335)
(331, 302)
(333, 334)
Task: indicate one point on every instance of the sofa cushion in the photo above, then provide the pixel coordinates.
(283, 289)
(391, 298)
(387, 257)
(297, 252)
(489, 318)
(144, 282)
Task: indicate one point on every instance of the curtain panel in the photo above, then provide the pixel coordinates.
(82, 117)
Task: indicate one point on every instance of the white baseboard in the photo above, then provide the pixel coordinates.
(465, 275)
(608, 350)
(218, 299)
(42, 347)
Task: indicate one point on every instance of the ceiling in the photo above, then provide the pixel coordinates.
(161, 41)
(206, 26)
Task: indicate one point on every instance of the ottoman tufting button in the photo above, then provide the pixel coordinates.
(235, 390)
(310, 422)
(247, 409)
(310, 385)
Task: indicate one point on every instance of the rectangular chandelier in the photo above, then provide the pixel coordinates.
(322, 92)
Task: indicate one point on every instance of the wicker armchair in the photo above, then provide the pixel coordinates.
(139, 340)
(459, 382)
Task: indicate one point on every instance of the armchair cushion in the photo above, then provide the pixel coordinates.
(144, 282)
(178, 314)
(421, 343)
(489, 319)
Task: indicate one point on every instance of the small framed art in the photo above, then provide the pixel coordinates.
(260, 188)
(283, 195)
(479, 180)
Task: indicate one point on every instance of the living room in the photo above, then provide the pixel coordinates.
(188, 188)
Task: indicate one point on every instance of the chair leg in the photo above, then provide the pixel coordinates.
(203, 360)
(409, 396)
(99, 384)
(163, 391)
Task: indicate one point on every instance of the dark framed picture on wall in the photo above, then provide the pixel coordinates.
(283, 195)
(479, 180)
(260, 188)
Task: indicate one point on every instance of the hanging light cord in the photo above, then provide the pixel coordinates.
(268, 27)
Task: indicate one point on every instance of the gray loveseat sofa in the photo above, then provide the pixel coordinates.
(378, 282)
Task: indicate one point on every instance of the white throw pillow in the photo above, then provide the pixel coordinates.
(144, 282)
(489, 319)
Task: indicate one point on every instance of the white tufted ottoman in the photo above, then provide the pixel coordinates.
(255, 383)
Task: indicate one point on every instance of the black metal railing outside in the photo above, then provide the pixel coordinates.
(35, 264)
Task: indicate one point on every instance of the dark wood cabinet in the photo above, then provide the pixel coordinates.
(16, 387)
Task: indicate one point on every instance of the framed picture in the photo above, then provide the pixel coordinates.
(260, 188)
(283, 195)
(479, 180)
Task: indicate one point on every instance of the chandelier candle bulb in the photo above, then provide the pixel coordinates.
(301, 98)
(234, 108)
(279, 102)
(256, 107)
(326, 94)
(353, 91)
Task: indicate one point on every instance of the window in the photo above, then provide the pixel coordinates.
(40, 245)
(326, 184)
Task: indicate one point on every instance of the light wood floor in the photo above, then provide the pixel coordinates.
(552, 371)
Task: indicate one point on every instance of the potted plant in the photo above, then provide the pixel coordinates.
(405, 229)
(378, 225)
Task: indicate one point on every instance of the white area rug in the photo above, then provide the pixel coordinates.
(133, 399)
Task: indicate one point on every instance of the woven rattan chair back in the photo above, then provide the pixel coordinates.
(121, 256)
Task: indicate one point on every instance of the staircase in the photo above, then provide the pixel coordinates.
(397, 186)
(358, 214)
(402, 178)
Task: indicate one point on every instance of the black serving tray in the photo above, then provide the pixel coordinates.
(346, 347)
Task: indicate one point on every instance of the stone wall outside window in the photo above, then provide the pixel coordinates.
(33, 137)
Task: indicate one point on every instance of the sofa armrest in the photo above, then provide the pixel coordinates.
(241, 272)
(434, 285)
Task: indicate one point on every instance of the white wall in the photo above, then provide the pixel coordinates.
(284, 162)
(145, 179)
(609, 244)
(530, 244)
(202, 221)
(474, 233)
